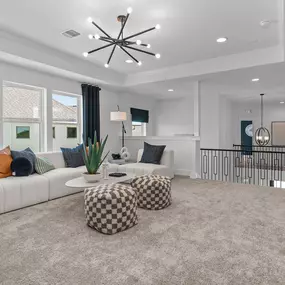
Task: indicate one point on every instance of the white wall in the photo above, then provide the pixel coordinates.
(174, 117)
(210, 119)
(225, 125)
(272, 112)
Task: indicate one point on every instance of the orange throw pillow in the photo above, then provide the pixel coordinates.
(5, 165)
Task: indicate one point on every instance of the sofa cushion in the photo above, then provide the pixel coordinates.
(152, 153)
(73, 157)
(138, 169)
(57, 179)
(43, 165)
(27, 153)
(19, 192)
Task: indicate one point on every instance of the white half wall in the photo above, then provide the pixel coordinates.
(186, 152)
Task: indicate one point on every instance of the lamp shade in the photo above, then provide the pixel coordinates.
(118, 116)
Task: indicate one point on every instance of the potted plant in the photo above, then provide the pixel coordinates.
(92, 155)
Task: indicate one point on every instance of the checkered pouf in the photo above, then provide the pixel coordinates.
(154, 191)
(110, 209)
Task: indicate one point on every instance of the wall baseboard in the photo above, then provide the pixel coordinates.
(187, 172)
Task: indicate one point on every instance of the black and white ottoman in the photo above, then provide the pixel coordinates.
(153, 191)
(111, 208)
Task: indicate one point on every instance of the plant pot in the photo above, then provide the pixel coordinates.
(91, 178)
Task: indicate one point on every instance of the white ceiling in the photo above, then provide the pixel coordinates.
(189, 27)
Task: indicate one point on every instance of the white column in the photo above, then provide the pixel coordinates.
(48, 121)
(1, 107)
(1, 113)
(197, 108)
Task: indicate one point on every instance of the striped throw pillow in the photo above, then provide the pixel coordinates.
(42, 165)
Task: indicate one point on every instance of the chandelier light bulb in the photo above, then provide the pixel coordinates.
(85, 54)
(158, 27)
(106, 65)
(90, 20)
(130, 10)
(148, 46)
(157, 55)
(139, 42)
(139, 63)
(97, 37)
(90, 37)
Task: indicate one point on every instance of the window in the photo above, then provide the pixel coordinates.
(71, 132)
(22, 132)
(138, 129)
(23, 107)
(66, 120)
(53, 132)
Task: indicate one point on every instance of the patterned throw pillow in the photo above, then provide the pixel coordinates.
(42, 165)
(27, 153)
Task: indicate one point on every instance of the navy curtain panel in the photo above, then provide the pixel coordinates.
(91, 111)
(139, 115)
(246, 137)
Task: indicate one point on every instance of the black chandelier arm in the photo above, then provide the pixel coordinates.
(134, 43)
(140, 33)
(140, 50)
(129, 55)
(122, 28)
(99, 28)
(107, 38)
(103, 47)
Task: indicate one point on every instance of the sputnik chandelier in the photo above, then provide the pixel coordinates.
(123, 43)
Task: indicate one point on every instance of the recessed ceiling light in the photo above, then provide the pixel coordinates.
(282, 102)
(85, 54)
(106, 65)
(222, 40)
(170, 90)
(139, 63)
(129, 61)
(255, 79)
(158, 55)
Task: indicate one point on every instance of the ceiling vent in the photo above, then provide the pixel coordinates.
(71, 34)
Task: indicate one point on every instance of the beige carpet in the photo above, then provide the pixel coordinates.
(213, 233)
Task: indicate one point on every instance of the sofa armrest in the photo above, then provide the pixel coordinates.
(167, 158)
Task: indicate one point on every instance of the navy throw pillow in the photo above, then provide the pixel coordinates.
(152, 153)
(27, 153)
(21, 166)
(73, 157)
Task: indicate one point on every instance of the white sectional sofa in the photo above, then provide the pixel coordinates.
(165, 168)
(20, 192)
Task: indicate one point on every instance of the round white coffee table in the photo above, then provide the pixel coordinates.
(81, 183)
